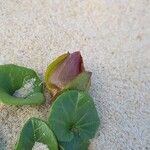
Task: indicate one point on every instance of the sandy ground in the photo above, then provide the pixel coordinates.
(114, 38)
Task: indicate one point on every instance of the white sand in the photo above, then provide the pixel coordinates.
(114, 39)
(40, 146)
(26, 89)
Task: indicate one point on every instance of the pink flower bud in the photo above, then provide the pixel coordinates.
(67, 72)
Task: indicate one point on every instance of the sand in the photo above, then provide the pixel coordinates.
(114, 39)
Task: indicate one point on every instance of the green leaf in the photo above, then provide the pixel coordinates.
(75, 144)
(74, 114)
(36, 130)
(14, 78)
(81, 82)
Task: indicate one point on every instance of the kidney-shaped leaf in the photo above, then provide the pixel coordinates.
(36, 130)
(20, 86)
(74, 114)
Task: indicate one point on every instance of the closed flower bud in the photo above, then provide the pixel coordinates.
(67, 72)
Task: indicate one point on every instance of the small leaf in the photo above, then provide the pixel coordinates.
(15, 79)
(36, 130)
(73, 114)
(81, 82)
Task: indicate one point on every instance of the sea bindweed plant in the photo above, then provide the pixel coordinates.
(20, 86)
(73, 119)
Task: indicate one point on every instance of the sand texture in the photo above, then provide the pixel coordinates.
(114, 39)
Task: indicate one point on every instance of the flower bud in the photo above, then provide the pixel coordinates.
(67, 72)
